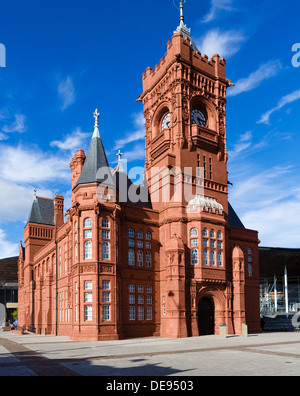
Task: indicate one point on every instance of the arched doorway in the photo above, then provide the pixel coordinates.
(206, 317)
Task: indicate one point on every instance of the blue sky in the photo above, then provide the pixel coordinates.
(64, 59)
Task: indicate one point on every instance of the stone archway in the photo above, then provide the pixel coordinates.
(206, 316)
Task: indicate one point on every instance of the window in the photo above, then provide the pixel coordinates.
(212, 257)
(88, 250)
(105, 223)
(212, 243)
(219, 236)
(140, 258)
(148, 259)
(106, 313)
(204, 232)
(219, 244)
(88, 297)
(149, 313)
(106, 297)
(88, 285)
(88, 313)
(131, 299)
(148, 245)
(140, 289)
(148, 289)
(148, 236)
(194, 232)
(140, 244)
(141, 300)
(131, 233)
(212, 233)
(249, 251)
(194, 242)
(205, 257)
(249, 269)
(220, 259)
(105, 235)
(105, 251)
(131, 288)
(139, 234)
(87, 234)
(105, 285)
(131, 313)
(205, 242)
(141, 315)
(130, 242)
(88, 223)
(76, 253)
(131, 259)
(149, 300)
(194, 256)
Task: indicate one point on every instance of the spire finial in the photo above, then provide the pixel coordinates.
(119, 155)
(34, 193)
(181, 6)
(96, 128)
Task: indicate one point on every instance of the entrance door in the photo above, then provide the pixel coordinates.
(206, 317)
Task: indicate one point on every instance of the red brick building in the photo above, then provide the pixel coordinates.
(174, 267)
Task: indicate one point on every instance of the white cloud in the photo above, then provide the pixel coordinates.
(137, 134)
(72, 141)
(267, 201)
(25, 165)
(290, 98)
(18, 125)
(224, 43)
(216, 6)
(135, 154)
(266, 71)
(66, 92)
(7, 248)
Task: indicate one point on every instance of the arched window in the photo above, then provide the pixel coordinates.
(139, 234)
(220, 259)
(212, 233)
(131, 258)
(204, 232)
(105, 251)
(148, 259)
(105, 223)
(205, 257)
(88, 223)
(219, 235)
(148, 236)
(194, 232)
(140, 258)
(88, 250)
(212, 257)
(131, 233)
(194, 256)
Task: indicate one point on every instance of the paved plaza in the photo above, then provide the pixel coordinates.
(268, 354)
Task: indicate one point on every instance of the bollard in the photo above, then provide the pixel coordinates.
(244, 330)
(223, 330)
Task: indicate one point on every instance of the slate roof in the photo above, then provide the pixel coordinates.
(234, 219)
(42, 212)
(95, 159)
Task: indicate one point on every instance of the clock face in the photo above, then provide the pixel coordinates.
(198, 118)
(166, 122)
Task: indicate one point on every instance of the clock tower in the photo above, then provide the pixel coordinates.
(184, 99)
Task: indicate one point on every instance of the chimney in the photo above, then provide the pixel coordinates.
(59, 210)
(76, 166)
